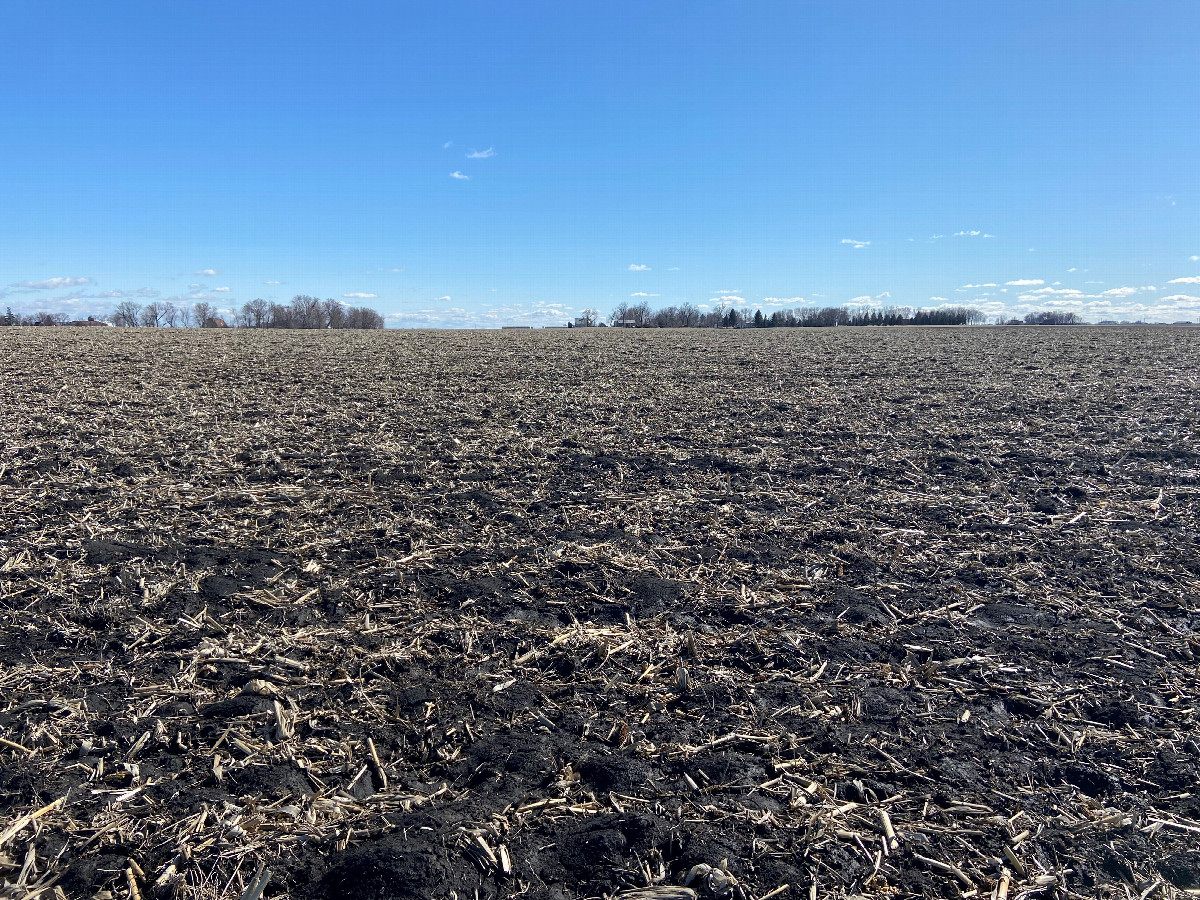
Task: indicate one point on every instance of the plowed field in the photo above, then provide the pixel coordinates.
(851, 612)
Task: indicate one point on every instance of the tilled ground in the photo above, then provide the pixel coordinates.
(874, 612)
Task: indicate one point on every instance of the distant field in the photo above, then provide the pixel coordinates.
(876, 612)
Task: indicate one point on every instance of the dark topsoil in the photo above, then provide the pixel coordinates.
(606, 606)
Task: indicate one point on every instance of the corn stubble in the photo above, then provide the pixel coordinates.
(795, 614)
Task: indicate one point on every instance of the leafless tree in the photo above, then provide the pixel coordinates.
(171, 314)
(203, 313)
(364, 318)
(589, 317)
(127, 314)
(307, 312)
(255, 313)
(152, 315)
(279, 316)
(335, 314)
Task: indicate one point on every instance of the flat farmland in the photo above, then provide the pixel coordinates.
(779, 613)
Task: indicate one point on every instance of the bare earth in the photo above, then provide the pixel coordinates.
(873, 612)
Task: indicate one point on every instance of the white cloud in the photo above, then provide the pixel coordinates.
(1190, 279)
(272, 282)
(482, 154)
(445, 299)
(206, 272)
(988, 235)
(359, 295)
(447, 145)
(857, 245)
(221, 290)
(885, 295)
(459, 176)
(781, 301)
(1119, 292)
(729, 299)
(642, 294)
(51, 284)
(1054, 292)
(638, 267)
(974, 233)
(536, 314)
(939, 299)
(1194, 258)
(983, 285)
(1025, 282)
(1181, 298)
(1072, 269)
(676, 268)
(864, 300)
(732, 291)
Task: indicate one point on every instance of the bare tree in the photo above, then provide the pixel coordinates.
(127, 314)
(307, 312)
(619, 314)
(335, 314)
(171, 314)
(152, 315)
(255, 313)
(589, 316)
(280, 316)
(362, 317)
(203, 314)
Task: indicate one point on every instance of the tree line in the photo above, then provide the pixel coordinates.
(687, 315)
(302, 312)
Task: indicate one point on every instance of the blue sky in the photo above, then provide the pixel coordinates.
(484, 163)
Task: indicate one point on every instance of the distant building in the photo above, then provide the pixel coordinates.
(90, 322)
(582, 322)
(516, 328)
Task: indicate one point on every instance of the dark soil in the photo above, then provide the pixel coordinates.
(475, 615)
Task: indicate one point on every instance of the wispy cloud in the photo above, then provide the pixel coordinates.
(983, 285)
(975, 233)
(51, 284)
(536, 314)
(459, 176)
(782, 301)
(673, 269)
(359, 295)
(206, 272)
(1025, 282)
(482, 154)
(1181, 298)
(1190, 279)
(857, 245)
(638, 267)
(447, 145)
(121, 295)
(221, 290)
(272, 282)
(727, 299)
(445, 299)
(1194, 258)
(642, 294)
